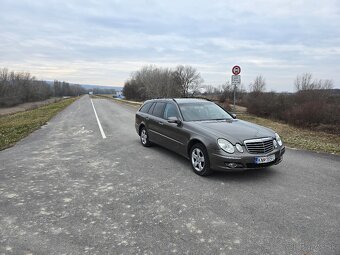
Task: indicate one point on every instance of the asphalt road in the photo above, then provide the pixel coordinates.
(66, 190)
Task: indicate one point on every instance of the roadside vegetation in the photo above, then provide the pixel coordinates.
(21, 87)
(157, 82)
(299, 138)
(314, 105)
(17, 126)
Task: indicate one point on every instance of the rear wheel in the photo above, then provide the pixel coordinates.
(144, 137)
(200, 160)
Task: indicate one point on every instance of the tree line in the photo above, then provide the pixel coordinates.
(314, 104)
(157, 82)
(22, 87)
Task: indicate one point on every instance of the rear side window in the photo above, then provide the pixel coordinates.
(158, 110)
(145, 108)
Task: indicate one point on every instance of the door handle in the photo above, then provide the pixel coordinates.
(160, 123)
(147, 118)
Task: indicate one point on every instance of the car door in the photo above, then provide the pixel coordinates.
(174, 136)
(155, 123)
(142, 115)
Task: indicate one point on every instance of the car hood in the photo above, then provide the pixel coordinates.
(234, 130)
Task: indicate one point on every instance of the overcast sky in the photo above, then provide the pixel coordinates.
(102, 42)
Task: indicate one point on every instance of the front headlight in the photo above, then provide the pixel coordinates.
(278, 139)
(226, 145)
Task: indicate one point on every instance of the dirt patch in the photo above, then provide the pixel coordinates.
(27, 106)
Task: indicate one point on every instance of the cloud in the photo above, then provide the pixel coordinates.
(102, 42)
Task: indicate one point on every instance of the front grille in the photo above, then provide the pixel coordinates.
(259, 146)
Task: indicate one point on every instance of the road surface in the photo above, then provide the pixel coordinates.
(66, 190)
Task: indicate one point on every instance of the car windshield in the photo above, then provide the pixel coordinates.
(203, 111)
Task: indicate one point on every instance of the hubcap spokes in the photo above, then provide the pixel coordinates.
(197, 159)
(143, 136)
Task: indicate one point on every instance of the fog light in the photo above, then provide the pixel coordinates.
(231, 165)
(239, 147)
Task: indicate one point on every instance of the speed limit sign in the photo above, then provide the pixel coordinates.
(236, 70)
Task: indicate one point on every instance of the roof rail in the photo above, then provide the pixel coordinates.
(193, 98)
(200, 98)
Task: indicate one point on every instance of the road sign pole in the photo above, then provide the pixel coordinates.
(234, 98)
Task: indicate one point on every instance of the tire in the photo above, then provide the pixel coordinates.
(199, 159)
(144, 137)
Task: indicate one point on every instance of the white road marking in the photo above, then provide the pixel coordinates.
(99, 125)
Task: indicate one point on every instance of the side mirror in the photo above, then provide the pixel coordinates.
(233, 115)
(174, 119)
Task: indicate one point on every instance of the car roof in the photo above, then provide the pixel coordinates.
(179, 100)
(190, 100)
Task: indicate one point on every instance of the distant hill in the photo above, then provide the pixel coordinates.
(88, 86)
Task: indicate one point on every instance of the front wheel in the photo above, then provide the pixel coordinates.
(200, 160)
(144, 137)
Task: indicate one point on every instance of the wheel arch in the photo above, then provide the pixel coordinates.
(191, 143)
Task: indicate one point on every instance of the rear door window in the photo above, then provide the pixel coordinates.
(145, 108)
(158, 110)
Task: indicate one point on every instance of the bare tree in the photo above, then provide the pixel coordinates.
(323, 84)
(226, 92)
(305, 82)
(259, 85)
(188, 78)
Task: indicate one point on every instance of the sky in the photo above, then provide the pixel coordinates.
(102, 42)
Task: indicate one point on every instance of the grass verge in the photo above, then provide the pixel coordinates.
(16, 126)
(292, 136)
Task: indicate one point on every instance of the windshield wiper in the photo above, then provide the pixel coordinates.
(221, 119)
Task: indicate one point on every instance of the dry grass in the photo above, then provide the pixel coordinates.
(16, 126)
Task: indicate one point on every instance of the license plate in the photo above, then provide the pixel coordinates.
(261, 160)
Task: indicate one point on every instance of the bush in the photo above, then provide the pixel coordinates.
(317, 109)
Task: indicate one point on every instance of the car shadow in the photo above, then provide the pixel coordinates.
(252, 175)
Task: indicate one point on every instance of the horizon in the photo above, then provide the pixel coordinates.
(84, 42)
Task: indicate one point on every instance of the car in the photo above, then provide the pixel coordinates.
(209, 136)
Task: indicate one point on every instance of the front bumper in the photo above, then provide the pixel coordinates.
(220, 160)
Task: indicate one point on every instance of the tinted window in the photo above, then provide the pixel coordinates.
(158, 110)
(203, 111)
(145, 107)
(170, 111)
(151, 108)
